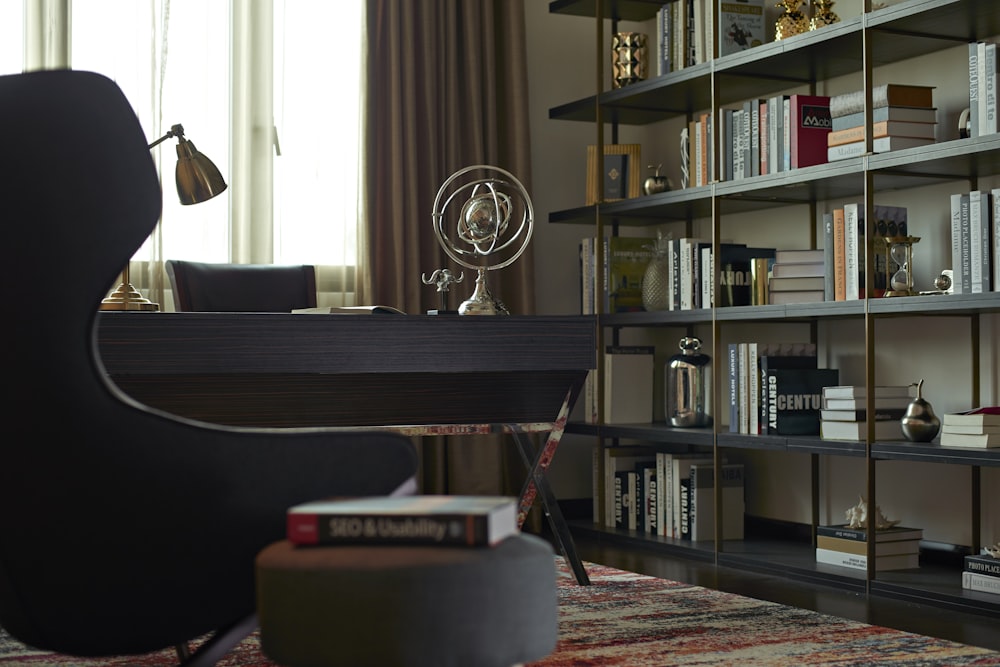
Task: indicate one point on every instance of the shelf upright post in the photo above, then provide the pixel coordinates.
(599, 258)
(869, 322)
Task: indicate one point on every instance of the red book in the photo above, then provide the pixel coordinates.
(810, 117)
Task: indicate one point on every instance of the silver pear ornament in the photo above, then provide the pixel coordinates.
(919, 422)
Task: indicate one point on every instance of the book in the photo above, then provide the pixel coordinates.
(701, 502)
(890, 113)
(988, 88)
(664, 40)
(350, 310)
(974, 89)
(776, 355)
(858, 431)
(985, 583)
(421, 519)
(809, 125)
(889, 414)
(879, 145)
(981, 564)
(734, 275)
(895, 533)
(967, 428)
(619, 459)
(615, 177)
(799, 269)
(796, 283)
(799, 256)
(973, 440)
(881, 403)
(741, 25)
(648, 496)
(995, 234)
(678, 482)
(961, 278)
(860, 391)
(984, 416)
(783, 298)
(857, 548)
(628, 384)
(626, 259)
(885, 128)
(887, 94)
(980, 243)
(829, 286)
(854, 271)
(839, 255)
(857, 562)
(794, 398)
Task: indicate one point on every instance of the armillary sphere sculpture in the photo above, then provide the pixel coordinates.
(483, 219)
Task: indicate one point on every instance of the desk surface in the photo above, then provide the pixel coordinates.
(276, 369)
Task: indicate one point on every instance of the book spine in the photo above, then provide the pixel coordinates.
(975, 242)
(985, 242)
(989, 81)
(661, 477)
(981, 76)
(839, 255)
(966, 245)
(841, 558)
(973, 89)
(743, 388)
(685, 517)
(734, 400)
(829, 281)
(982, 565)
(852, 248)
(980, 582)
(753, 387)
(995, 234)
(307, 528)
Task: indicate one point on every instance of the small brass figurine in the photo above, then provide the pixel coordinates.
(792, 21)
(823, 14)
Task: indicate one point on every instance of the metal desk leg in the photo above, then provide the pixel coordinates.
(537, 485)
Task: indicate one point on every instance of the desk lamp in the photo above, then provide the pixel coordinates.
(198, 180)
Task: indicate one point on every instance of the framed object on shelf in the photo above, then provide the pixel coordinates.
(619, 175)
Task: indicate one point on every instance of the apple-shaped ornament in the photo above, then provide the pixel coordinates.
(656, 182)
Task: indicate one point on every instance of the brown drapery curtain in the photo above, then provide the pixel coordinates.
(446, 88)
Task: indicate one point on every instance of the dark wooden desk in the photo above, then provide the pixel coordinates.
(419, 374)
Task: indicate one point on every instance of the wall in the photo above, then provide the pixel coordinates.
(561, 60)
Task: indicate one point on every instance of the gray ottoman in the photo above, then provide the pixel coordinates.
(414, 606)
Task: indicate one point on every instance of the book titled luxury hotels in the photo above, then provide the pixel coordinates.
(421, 519)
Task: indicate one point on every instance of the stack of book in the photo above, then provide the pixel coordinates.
(896, 548)
(975, 241)
(797, 276)
(903, 116)
(844, 412)
(982, 573)
(438, 520)
(979, 428)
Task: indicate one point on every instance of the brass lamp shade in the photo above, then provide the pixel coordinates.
(198, 180)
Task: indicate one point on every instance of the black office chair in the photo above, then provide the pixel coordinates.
(122, 529)
(259, 288)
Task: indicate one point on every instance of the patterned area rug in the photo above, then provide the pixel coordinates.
(634, 620)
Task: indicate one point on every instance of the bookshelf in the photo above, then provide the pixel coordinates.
(854, 49)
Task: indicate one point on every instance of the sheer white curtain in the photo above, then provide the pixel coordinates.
(244, 77)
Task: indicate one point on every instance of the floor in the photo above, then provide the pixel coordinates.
(910, 617)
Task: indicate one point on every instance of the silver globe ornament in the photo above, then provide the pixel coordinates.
(483, 219)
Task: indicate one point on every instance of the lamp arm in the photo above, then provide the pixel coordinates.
(175, 131)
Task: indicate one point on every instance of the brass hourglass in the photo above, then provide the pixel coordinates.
(898, 257)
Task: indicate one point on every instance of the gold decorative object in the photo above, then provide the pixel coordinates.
(792, 21)
(898, 252)
(823, 15)
(857, 516)
(993, 550)
(629, 58)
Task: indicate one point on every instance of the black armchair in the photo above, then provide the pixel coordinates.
(124, 529)
(259, 288)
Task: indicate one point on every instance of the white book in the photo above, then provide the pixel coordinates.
(753, 385)
(974, 581)
(706, 270)
(989, 124)
(973, 89)
(860, 391)
(879, 145)
(975, 242)
(741, 379)
(956, 243)
(851, 245)
(680, 468)
(856, 562)
(981, 77)
(995, 234)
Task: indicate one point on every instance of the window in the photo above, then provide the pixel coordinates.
(173, 59)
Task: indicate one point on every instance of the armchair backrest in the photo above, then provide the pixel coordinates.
(259, 288)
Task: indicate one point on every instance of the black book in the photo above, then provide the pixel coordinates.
(794, 398)
(983, 564)
(734, 273)
(615, 177)
(769, 362)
